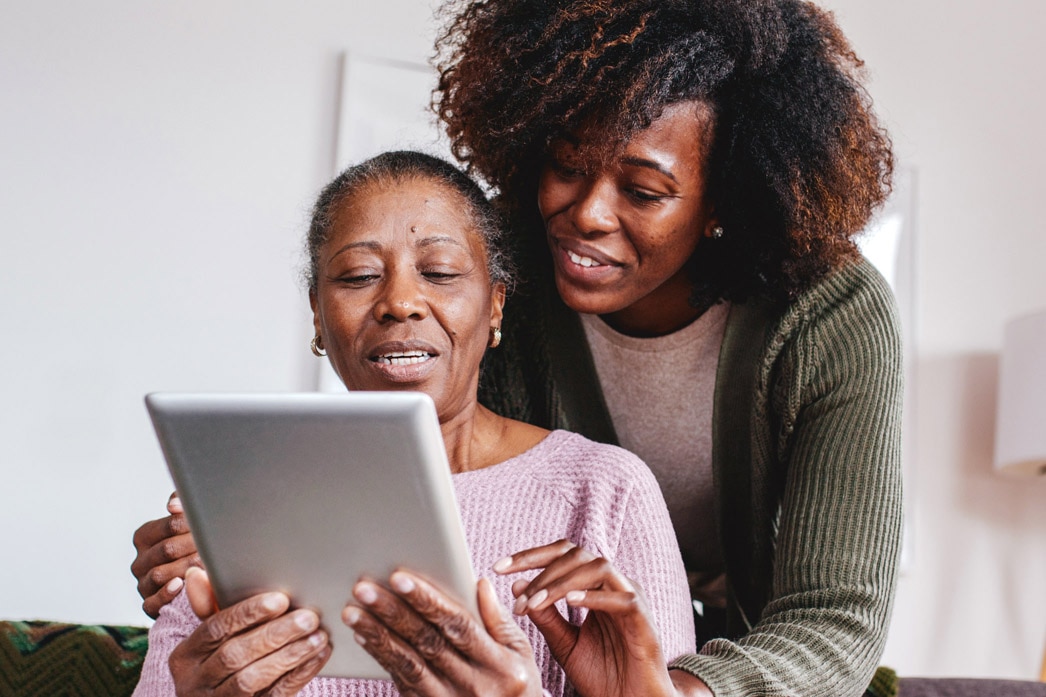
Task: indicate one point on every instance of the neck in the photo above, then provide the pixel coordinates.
(472, 438)
(664, 311)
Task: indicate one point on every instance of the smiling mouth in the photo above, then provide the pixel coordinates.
(404, 358)
(582, 260)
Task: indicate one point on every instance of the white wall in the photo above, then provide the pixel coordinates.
(960, 86)
(157, 163)
(156, 166)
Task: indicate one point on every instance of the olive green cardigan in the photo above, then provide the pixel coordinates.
(806, 465)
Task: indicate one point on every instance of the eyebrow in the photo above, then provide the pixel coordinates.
(650, 164)
(628, 160)
(376, 246)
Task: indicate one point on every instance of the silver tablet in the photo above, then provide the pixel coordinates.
(306, 493)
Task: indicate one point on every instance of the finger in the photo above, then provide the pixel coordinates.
(225, 624)
(262, 649)
(533, 558)
(151, 534)
(294, 682)
(165, 560)
(629, 613)
(596, 574)
(404, 621)
(404, 665)
(200, 593)
(498, 620)
(165, 595)
(174, 504)
(460, 628)
(264, 672)
(560, 635)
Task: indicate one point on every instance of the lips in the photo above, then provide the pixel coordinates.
(584, 255)
(402, 361)
(402, 357)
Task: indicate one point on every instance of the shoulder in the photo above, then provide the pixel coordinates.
(850, 313)
(583, 459)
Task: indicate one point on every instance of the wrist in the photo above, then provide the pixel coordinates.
(687, 685)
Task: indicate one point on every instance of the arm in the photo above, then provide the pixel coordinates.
(824, 440)
(165, 549)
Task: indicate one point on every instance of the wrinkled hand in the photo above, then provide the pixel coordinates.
(165, 550)
(615, 650)
(431, 645)
(257, 646)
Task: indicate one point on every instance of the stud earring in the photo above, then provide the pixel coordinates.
(317, 346)
(718, 232)
(495, 337)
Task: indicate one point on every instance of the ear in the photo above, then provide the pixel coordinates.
(497, 303)
(314, 303)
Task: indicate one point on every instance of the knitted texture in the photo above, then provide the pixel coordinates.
(600, 497)
(884, 683)
(806, 462)
(42, 659)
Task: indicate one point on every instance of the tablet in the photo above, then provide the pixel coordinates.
(306, 493)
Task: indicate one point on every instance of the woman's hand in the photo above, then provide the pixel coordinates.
(255, 646)
(433, 646)
(616, 650)
(165, 550)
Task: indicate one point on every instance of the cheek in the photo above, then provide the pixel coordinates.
(553, 195)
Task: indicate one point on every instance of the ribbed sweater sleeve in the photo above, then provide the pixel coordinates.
(825, 435)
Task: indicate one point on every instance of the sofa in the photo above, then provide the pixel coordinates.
(43, 659)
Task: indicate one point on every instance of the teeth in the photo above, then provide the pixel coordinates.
(582, 261)
(407, 358)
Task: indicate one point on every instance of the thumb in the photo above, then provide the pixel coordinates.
(497, 619)
(200, 593)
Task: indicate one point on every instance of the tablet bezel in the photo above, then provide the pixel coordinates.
(274, 485)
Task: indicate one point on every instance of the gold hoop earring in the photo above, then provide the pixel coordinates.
(495, 337)
(317, 346)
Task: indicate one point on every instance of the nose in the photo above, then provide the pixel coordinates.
(593, 211)
(401, 298)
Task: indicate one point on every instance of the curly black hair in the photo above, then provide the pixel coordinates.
(797, 161)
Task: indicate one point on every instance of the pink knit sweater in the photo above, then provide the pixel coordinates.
(598, 496)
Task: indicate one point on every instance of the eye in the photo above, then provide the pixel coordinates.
(645, 196)
(565, 169)
(357, 280)
(440, 275)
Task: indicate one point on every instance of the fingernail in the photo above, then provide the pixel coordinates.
(306, 620)
(575, 596)
(316, 639)
(521, 605)
(502, 565)
(401, 583)
(272, 601)
(351, 616)
(365, 593)
(538, 598)
(174, 585)
(359, 639)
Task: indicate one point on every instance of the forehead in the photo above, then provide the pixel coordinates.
(406, 210)
(678, 137)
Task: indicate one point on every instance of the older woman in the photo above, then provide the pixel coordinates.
(686, 178)
(407, 285)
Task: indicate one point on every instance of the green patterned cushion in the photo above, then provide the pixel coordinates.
(51, 659)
